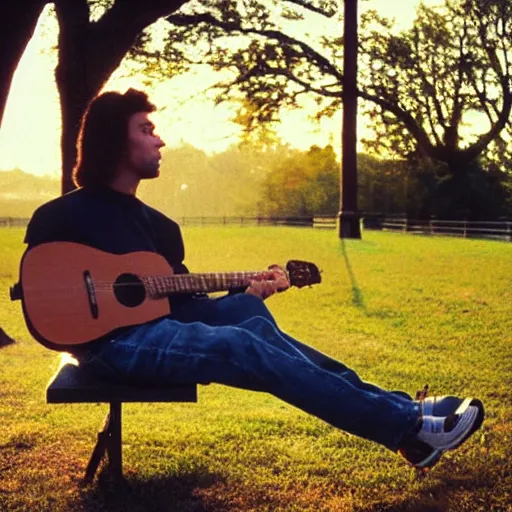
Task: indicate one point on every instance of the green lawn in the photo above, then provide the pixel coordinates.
(402, 310)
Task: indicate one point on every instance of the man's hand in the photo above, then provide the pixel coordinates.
(275, 279)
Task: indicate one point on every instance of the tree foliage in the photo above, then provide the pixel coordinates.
(453, 68)
(246, 179)
(420, 86)
(303, 184)
(193, 183)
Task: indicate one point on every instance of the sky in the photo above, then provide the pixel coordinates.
(30, 131)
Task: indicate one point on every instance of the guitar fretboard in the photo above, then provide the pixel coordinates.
(160, 286)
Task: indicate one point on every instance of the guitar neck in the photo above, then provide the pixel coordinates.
(160, 286)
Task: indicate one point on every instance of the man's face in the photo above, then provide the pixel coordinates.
(144, 145)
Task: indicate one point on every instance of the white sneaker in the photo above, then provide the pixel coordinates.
(448, 433)
(439, 434)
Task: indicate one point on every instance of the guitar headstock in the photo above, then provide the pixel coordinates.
(303, 273)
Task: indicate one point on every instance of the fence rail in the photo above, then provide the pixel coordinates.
(245, 221)
(497, 230)
(13, 222)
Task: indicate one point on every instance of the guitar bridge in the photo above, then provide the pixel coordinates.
(91, 294)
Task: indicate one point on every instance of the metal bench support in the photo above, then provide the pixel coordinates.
(109, 443)
(73, 384)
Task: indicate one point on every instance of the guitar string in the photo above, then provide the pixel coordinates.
(185, 279)
(143, 282)
(107, 286)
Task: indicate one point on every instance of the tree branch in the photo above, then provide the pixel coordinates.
(231, 27)
(310, 7)
(405, 117)
(502, 121)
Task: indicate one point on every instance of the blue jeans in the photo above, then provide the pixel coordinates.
(235, 341)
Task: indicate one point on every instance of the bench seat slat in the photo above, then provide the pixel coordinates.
(72, 384)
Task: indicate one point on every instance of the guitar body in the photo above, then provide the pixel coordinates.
(69, 297)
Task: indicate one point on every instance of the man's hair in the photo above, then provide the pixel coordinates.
(103, 136)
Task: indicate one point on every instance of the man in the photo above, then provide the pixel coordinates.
(233, 340)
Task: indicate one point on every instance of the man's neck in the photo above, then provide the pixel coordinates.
(126, 183)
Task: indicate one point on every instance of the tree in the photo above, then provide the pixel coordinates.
(451, 65)
(89, 51)
(17, 23)
(419, 86)
(304, 184)
(385, 186)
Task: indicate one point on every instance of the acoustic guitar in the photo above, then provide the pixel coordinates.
(73, 294)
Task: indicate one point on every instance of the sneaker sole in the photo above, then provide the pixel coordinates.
(434, 457)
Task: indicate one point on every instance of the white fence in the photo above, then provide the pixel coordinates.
(498, 230)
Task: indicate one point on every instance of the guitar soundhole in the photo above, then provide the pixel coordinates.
(129, 290)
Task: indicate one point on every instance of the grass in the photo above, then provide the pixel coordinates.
(401, 310)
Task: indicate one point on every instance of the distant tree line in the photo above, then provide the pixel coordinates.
(264, 176)
(251, 179)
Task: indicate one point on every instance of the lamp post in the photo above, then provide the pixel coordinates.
(348, 216)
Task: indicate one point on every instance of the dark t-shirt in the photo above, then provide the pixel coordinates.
(110, 221)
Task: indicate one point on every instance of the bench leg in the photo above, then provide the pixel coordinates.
(114, 444)
(108, 443)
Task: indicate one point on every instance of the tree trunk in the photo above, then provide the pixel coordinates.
(349, 217)
(18, 21)
(77, 79)
(73, 103)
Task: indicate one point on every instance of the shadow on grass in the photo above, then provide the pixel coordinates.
(5, 339)
(447, 492)
(163, 493)
(357, 295)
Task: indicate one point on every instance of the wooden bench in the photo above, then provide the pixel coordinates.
(73, 384)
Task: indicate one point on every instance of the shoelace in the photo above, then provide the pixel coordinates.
(421, 394)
